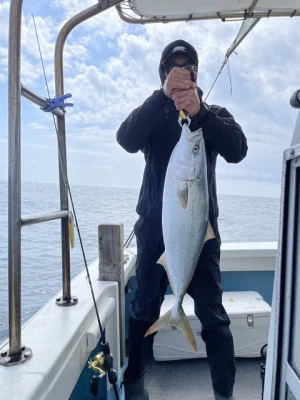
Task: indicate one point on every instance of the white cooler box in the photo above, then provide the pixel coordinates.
(249, 315)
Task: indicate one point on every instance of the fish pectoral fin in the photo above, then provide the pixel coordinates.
(210, 234)
(183, 194)
(160, 323)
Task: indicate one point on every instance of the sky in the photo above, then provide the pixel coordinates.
(111, 67)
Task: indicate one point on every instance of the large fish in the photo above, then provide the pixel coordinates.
(185, 223)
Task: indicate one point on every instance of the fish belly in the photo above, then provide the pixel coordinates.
(184, 231)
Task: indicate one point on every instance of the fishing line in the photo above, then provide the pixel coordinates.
(64, 173)
(111, 374)
(40, 52)
(219, 73)
(244, 30)
(104, 345)
(229, 75)
(129, 239)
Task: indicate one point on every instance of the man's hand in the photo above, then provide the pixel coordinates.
(187, 99)
(178, 78)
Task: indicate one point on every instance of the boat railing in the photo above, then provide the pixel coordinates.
(64, 337)
(18, 353)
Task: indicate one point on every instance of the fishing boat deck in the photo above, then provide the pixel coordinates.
(190, 379)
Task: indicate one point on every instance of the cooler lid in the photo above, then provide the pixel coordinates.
(237, 304)
(245, 302)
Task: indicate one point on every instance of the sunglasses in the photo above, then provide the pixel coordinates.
(169, 66)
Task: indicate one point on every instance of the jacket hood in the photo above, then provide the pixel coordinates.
(177, 47)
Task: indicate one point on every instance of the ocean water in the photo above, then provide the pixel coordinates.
(241, 219)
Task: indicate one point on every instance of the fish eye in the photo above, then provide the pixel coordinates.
(196, 148)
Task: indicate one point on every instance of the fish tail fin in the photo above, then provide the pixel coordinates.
(181, 322)
(185, 327)
(160, 323)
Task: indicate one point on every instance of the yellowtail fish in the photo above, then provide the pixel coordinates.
(185, 223)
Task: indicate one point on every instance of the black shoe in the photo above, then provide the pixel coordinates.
(219, 397)
(135, 389)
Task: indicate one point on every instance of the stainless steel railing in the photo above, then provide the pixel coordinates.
(18, 353)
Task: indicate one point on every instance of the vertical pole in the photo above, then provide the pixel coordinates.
(67, 299)
(16, 353)
(14, 178)
(111, 268)
(64, 204)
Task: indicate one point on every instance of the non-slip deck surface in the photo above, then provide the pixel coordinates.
(190, 380)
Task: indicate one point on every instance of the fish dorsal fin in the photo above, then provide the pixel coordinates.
(210, 234)
(183, 194)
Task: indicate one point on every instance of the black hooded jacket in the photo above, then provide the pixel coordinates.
(153, 128)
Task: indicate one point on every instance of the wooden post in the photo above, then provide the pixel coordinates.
(111, 268)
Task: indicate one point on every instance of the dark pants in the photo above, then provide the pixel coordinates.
(205, 289)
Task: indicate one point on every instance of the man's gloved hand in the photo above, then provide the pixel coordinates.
(178, 78)
(179, 87)
(187, 99)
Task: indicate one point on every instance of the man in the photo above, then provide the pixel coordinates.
(153, 128)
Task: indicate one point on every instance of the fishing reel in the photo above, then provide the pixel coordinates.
(102, 364)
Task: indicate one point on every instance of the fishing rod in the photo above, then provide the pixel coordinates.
(102, 363)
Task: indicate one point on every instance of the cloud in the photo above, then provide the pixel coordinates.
(87, 152)
(37, 126)
(92, 167)
(39, 146)
(111, 67)
(4, 12)
(268, 57)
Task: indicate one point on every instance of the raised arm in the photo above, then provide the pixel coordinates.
(225, 135)
(134, 133)
(221, 132)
